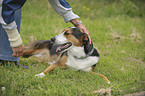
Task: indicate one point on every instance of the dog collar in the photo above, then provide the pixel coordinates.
(83, 57)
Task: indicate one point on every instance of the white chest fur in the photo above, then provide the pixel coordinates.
(80, 64)
(77, 51)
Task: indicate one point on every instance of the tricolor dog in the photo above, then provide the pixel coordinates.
(68, 49)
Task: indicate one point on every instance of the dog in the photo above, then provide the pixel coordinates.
(68, 49)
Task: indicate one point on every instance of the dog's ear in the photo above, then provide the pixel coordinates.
(84, 39)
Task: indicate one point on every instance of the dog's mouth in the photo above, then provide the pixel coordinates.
(63, 47)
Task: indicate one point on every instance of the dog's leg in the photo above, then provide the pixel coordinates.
(50, 68)
(104, 77)
(28, 52)
(60, 64)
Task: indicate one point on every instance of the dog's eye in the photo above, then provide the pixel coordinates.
(66, 33)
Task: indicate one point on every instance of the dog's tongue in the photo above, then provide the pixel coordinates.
(63, 47)
(60, 48)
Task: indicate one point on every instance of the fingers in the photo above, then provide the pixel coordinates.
(89, 38)
(85, 31)
(17, 51)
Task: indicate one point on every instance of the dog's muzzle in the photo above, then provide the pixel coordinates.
(59, 39)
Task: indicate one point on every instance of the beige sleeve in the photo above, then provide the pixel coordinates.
(14, 37)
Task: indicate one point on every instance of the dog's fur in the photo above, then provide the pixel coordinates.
(68, 49)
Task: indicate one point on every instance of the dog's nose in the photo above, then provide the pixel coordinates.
(53, 39)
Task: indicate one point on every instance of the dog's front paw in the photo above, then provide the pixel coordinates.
(41, 75)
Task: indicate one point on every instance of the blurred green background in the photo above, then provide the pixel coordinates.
(117, 29)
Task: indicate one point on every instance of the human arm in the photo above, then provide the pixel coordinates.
(7, 19)
(63, 8)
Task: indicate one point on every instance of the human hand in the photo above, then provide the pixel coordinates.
(17, 51)
(79, 24)
(84, 30)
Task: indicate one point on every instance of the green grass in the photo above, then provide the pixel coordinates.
(117, 28)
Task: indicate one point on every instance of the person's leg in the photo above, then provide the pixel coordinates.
(5, 49)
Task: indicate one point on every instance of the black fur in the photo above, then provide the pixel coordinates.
(88, 48)
(77, 33)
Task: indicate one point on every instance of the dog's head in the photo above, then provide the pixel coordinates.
(74, 35)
